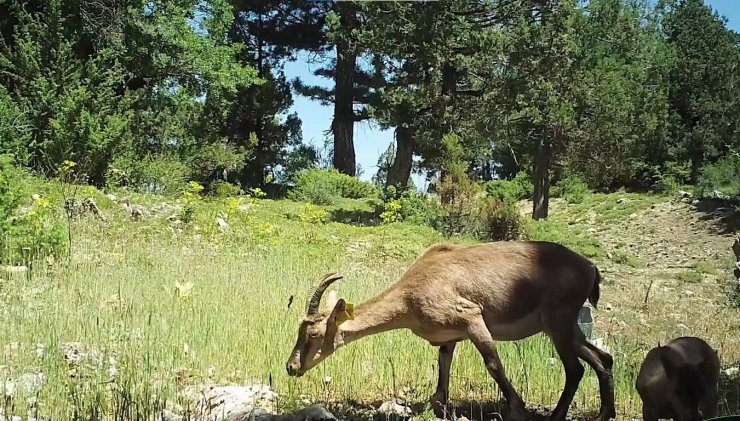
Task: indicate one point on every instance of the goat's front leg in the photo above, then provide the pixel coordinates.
(442, 395)
(481, 337)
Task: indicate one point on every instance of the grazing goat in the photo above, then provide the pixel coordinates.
(502, 291)
(679, 381)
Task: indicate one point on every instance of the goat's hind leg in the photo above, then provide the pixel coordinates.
(442, 395)
(601, 362)
(481, 337)
(560, 330)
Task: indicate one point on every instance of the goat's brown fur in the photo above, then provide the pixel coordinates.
(490, 292)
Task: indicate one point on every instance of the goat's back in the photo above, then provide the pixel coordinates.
(510, 278)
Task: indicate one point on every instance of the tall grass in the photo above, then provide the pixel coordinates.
(118, 297)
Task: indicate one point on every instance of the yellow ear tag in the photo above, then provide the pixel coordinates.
(347, 314)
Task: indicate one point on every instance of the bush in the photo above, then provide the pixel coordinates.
(723, 176)
(322, 187)
(419, 209)
(499, 220)
(162, 174)
(467, 210)
(223, 189)
(28, 225)
(572, 188)
(520, 187)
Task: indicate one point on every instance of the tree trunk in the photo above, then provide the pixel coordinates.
(400, 170)
(344, 114)
(541, 195)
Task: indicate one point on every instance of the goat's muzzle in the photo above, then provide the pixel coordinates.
(293, 368)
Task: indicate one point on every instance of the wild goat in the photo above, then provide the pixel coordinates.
(679, 381)
(502, 291)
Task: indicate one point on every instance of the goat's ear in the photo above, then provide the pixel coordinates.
(342, 312)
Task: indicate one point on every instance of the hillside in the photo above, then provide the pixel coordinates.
(149, 306)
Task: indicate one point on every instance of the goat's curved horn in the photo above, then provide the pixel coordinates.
(312, 305)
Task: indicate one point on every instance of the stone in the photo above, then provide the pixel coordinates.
(16, 269)
(393, 408)
(231, 403)
(112, 197)
(621, 200)
(222, 224)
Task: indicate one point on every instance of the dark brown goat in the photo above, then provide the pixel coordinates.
(679, 381)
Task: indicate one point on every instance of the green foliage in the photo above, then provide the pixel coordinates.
(192, 197)
(30, 227)
(420, 209)
(466, 209)
(573, 189)
(163, 174)
(323, 187)
(723, 176)
(560, 232)
(520, 187)
(312, 214)
(224, 189)
(690, 277)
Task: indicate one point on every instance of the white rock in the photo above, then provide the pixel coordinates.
(222, 224)
(732, 371)
(30, 384)
(16, 269)
(112, 197)
(391, 407)
(601, 344)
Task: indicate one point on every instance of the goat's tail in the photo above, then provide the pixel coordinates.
(593, 298)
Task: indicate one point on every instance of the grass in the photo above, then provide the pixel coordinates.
(118, 297)
(690, 277)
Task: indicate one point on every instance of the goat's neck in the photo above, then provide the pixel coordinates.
(379, 314)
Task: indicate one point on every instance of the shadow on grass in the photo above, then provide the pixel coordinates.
(358, 217)
(723, 214)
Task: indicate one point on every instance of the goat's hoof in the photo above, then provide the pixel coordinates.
(607, 414)
(518, 413)
(439, 403)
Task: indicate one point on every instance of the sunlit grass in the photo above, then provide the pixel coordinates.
(117, 296)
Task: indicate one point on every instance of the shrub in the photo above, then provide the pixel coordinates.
(223, 189)
(499, 220)
(572, 188)
(520, 187)
(420, 209)
(28, 225)
(467, 210)
(723, 176)
(322, 187)
(162, 174)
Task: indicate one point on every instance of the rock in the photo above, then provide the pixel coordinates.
(167, 415)
(231, 403)
(73, 352)
(16, 269)
(137, 212)
(688, 293)
(621, 200)
(30, 384)
(222, 225)
(716, 194)
(393, 408)
(732, 371)
(695, 202)
(601, 344)
(112, 197)
(684, 194)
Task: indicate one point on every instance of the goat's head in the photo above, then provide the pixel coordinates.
(317, 332)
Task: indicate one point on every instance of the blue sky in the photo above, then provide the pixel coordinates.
(370, 141)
